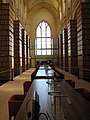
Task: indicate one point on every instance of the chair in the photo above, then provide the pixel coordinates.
(34, 74)
(58, 75)
(26, 86)
(14, 104)
(86, 96)
(84, 92)
(70, 82)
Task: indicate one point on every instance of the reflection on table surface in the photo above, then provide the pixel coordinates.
(57, 99)
(45, 70)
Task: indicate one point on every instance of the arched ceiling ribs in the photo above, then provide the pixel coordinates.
(43, 5)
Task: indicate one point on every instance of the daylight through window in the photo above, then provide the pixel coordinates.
(43, 42)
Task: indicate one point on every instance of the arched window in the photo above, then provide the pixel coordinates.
(43, 42)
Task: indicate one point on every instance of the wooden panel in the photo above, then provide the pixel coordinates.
(72, 47)
(17, 47)
(77, 110)
(23, 50)
(65, 50)
(7, 16)
(83, 39)
(61, 51)
(27, 52)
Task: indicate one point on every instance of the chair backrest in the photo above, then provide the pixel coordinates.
(70, 82)
(14, 104)
(26, 86)
(84, 92)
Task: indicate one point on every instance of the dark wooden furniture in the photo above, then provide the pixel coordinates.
(44, 72)
(74, 108)
(33, 75)
(7, 16)
(37, 85)
(14, 104)
(71, 82)
(84, 92)
(79, 109)
(26, 86)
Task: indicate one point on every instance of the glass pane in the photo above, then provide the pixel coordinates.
(48, 52)
(38, 34)
(38, 45)
(43, 29)
(43, 52)
(48, 42)
(48, 45)
(43, 42)
(38, 52)
(48, 31)
(38, 42)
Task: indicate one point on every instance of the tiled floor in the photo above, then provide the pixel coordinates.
(16, 87)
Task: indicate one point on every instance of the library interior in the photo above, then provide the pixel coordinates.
(44, 59)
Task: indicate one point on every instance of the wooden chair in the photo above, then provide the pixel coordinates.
(34, 74)
(14, 104)
(58, 75)
(84, 92)
(26, 86)
(70, 82)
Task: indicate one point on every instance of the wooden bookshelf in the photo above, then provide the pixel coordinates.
(58, 55)
(23, 50)
(83, 39)
(17, 47)
(27, 52)
(72, 47)
(65, 49)
(61, 51)
(7, 16)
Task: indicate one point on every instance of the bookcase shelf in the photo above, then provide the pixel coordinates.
(17, 47)
(72, 47)
(23, 50)
(83, 39)
(7, 16)
(65, 49)
(27, 52)
(61, 50)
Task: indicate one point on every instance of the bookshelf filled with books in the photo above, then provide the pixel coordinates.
(17, 47)
(72, 47)
(61, 51)
(65, 49)
(83, 40)
(27, 52)
(7, 17)
(23, 50)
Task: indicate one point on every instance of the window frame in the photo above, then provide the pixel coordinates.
(44, 35)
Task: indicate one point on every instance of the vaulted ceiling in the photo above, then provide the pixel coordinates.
(33, 3)
(38, 10)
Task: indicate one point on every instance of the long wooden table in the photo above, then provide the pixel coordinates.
(45, 72)
(75, 109)
(42, 89)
